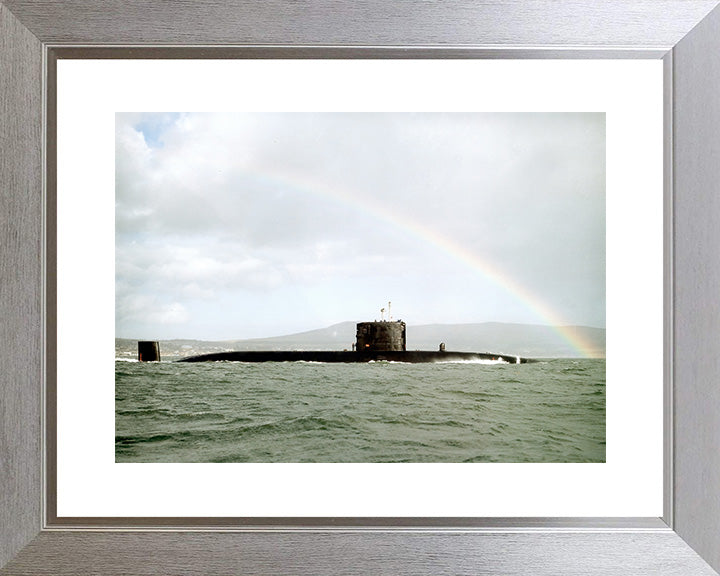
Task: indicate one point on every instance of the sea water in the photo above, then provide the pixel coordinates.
(548, 411)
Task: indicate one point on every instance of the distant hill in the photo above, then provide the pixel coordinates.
(528, 340)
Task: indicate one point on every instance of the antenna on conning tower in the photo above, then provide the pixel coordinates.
(389, 314)
(382, 314)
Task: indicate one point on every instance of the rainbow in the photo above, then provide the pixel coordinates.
(489, 270)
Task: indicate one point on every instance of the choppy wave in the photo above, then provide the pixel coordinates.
(383, 412)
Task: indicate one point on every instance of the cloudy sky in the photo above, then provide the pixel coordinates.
(250, 225)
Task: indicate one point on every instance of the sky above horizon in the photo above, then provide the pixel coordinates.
(234, 225)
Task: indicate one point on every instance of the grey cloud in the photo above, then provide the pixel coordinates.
(259, 201)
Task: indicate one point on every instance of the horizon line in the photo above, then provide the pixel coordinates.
(551, 326)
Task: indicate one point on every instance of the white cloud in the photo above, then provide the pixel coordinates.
(213, 204)
(142, 309)
(173, 313)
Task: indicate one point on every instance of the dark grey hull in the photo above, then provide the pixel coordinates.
(411, 356)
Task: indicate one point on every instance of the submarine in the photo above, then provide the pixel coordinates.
(378, 341)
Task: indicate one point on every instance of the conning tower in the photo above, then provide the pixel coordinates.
(380, 336)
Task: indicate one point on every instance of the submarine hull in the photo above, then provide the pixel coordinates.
(410, 356)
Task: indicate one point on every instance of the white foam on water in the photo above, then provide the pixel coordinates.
(477, 361)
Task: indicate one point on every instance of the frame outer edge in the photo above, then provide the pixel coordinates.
(696, 112)
(20, 284)
(21, 111)
(400, 554)
(374, 22)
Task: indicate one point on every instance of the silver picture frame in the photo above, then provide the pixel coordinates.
(685, 34)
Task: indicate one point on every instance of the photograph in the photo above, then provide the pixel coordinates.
(360, 287)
